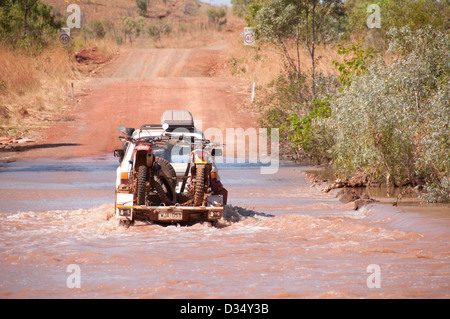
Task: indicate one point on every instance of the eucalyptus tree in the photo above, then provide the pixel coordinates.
(293, 24)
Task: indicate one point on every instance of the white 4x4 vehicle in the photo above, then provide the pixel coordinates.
(175, 180)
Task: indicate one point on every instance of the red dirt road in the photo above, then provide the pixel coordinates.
(136, 89)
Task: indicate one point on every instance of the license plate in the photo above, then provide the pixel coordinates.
(170, 216)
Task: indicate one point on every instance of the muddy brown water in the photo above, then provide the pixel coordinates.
(291, 241)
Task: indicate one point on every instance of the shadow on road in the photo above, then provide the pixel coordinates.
(23, 148)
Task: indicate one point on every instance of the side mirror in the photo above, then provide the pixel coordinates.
(165, 126)
(118, 153)
(216, 152)
(126, 130)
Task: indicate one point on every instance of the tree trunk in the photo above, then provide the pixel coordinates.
(25, 24)
(313, 49)
(27, 5)
(298, 40)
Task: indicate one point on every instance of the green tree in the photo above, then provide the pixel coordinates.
(278, 22)
(158, 29)
(142, 7)
(295, 23)
(95, 29)
(355, 62)
(240, 7)
(27, 24)
(316, 23)
(393, 121)
(397, 13)
(27, 6)
(140, 26)
(310, 133)
(217, 17)
(283, 96)
(128, 27)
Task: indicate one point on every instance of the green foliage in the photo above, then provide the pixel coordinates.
(158, 29)
(277, 22)
(292, 23)
(310, 133)
(132, 27)
(217, 17)
(274, 19)
(415, 14)
(390, 121)
(393, 121)
(28, 25)
(142, 7)
(140, 26)
(127, 26)
(438, 193)
(95, 29)
(240, 7)
(354, 65)
(283, 96)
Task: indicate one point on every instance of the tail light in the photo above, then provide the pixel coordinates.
(124, 178)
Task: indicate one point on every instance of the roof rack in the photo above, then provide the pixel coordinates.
(144, 126)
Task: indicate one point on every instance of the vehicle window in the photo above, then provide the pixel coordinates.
(161, 152)
(180, 154)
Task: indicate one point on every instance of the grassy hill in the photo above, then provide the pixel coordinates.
(35, 84)
(173, 10)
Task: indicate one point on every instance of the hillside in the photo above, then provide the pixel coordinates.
(173, 10)
(35, 89)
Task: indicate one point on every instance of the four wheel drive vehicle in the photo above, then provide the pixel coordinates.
(157, 177)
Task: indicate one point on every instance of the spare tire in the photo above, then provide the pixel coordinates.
(168, 170)
(165, 191)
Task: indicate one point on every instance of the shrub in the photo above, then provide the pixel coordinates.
(142, 7)
(310, 133)
(31, 31)
(217, 17)
(157, 30)
(95, 29)
(283, 96)
(393, 121)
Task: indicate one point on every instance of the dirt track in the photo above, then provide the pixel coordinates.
(136, 89)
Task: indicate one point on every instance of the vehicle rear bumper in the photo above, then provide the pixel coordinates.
(171, 214)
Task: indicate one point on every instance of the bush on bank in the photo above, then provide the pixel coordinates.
(393, 122)
(390, 118)
(389, 122)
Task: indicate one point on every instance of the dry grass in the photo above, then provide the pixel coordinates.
(17, 73)
(34, 91)
(33, 88)
(264, 65)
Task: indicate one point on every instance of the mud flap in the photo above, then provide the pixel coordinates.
(124, 206)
